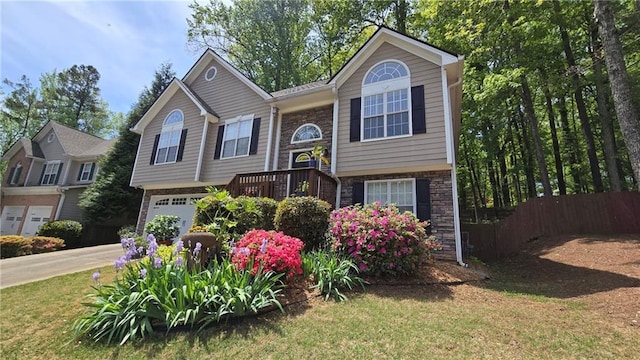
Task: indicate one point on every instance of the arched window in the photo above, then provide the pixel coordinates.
(170, 137)
(14, 174)
(386, 104)
(306, 132)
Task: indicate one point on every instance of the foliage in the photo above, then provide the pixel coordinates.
(127, 231)
(268, 250)
(305, 218)
(229, 218)
(19, 112)
(68, 230)
(331, 273)
(156, 293)
(16, 245)
(163, 227)
(380, 239)
(110, 196)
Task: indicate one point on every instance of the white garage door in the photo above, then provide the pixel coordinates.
(179, 205)
(36, 216)
(11, 218)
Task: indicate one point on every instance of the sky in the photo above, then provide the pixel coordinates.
(125, 40)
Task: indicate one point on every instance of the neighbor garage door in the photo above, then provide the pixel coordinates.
(11, 218)
(179, 205)
(36, 216)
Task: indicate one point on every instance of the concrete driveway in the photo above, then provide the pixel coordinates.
(25, 269)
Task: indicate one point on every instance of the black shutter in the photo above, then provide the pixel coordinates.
(424, 199)
(255, 134)
(10, 177)
(419, 121)
(354, 132)
(93, 168)
(17, 175)
(155, 150)
(55, 182)
(80, 172)
(216, 154)
(357, 193)
(183, 139)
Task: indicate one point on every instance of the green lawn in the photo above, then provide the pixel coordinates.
(467, 321)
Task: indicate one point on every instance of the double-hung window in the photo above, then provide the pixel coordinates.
(237, 137)
(50, 174)
(386, 101)
(86, 171)
(400, 192)
(170, 138)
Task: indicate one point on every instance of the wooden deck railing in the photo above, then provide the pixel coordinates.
(280, 184)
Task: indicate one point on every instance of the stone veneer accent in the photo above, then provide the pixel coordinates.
(144, 207)
(320, 116)
(442, 220)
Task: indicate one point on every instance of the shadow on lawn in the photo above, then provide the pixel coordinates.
(531, 274)
(418, 292)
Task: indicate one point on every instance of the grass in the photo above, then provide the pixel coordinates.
(385, 322)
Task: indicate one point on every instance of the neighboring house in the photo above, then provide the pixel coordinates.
(390, 119)
(45, 177)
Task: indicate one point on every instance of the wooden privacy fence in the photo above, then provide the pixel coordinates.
(603, 213)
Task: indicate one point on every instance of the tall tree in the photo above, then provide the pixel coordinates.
(18, 112)
(626, 112)
(110, 196)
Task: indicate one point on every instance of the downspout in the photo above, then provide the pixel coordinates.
(60, 203)
(454, 179)
(269, 141)
(334, 147)
(203, 140)
(277, 147)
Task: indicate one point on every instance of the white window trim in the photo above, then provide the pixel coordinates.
(206, 73)
(384, 87)
(389, 181)
(168, 129)
(309, 140)
(237, 119)
(53, 162)
(82, 171)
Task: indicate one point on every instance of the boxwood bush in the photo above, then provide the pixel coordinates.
(68, 230)
(306, 218)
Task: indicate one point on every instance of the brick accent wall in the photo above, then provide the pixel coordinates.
(144, 207)
(442, 224)
(320, 116)
(19, 157)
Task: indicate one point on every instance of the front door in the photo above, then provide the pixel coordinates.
(299, 181)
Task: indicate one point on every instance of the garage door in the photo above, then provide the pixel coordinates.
(36, 216)
(11, 218)
(179, 205)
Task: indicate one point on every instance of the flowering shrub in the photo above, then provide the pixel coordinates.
(380, 239)
(162, 291)
(270, 250)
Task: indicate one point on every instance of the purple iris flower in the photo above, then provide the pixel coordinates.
(143, 273)
(263, 247)
(120, 262)
(157, 262)
(179, 261)
(96, 276)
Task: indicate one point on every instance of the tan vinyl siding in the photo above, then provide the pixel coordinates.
(417, 150)
(70, 209)
(75, 170)
(182, 171)
(51, 150)
(229, 97)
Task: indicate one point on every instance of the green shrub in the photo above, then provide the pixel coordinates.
(68, 230)
(240, 214)
(163, 227)
(306, 218)
(381, 240)
(43, 244)
(14, 245)
(127, 231)
(332, 274)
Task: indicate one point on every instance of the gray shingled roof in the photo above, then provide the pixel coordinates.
(300, 88)
(78, 143)
(31, 148)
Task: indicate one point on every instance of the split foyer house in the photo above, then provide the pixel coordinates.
(45, 177)
(389, 119)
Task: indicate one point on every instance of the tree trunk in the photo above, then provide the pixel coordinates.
(608, 137)
(562, 186)
(493, 179)
(582, 109)
(514, 160)
(504, 179)
(401, 11)
(527, 155)
(571, 146)
(620, 84)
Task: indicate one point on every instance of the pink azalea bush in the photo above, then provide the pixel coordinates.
(380, 239)
(275, 251)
